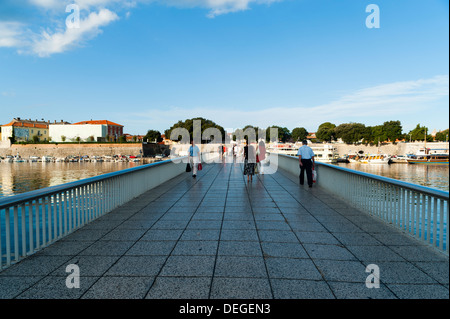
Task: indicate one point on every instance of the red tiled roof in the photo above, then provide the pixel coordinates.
(25, 124)
(106, 122)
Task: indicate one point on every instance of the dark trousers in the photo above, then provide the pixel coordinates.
(306, 166)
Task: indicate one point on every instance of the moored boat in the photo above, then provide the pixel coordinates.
(436, 159)
(376, 159)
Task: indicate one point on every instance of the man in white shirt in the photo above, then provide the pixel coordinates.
(306, 160)
(194, 158)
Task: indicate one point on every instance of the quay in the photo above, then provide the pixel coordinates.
(219, 237)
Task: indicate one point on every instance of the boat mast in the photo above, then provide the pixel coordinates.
(425, 141)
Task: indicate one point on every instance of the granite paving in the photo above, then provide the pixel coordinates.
(220, 237)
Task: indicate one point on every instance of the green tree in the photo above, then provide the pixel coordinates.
(326, 132)
(392, 130)
(376, 134)
(153, 136)
(189, 126)
(299, 134)
(418, 134)
(283, 133)
(442, 136)
(352, 133)
(12, 138)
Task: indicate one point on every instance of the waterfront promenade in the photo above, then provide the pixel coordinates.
(218, 237)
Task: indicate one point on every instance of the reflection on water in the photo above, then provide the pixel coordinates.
(19, 178)
(435, 176)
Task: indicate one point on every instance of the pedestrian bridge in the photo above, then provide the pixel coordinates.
(154, 232)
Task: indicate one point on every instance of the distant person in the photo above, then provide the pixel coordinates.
(261, 153)
(249, 161)
(194, 158)
(306, 161)
(220, 150)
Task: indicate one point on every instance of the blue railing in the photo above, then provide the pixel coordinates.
(420, 211)
(36, 219)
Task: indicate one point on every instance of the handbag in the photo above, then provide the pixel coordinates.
(314, 175)
(188, 167)
(199, 167)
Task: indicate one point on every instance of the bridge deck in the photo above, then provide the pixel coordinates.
(218, 237)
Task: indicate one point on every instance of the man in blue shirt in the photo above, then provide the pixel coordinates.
(194, 158)
(306, 160)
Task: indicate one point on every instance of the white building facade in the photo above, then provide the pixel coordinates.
(82, 132)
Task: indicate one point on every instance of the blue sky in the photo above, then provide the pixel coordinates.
(296, 63)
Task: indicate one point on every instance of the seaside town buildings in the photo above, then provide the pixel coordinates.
(92, 131)
(26, 130)
(23, 130)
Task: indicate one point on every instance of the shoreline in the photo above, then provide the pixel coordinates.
(147, 150)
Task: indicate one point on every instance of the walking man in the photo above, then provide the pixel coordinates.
(194, 158)
(306, 160)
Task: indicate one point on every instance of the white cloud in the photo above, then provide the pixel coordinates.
(10, 34)
(47, 44)
(55, 39)
(45, 3)
(216, 7)
(390, 101)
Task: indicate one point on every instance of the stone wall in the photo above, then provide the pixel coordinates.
(390, 149)
(64, 150)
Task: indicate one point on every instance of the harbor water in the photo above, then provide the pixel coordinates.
(17, 178)
(434, 176)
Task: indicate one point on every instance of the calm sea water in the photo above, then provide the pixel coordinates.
(434, 176)
(16, 178)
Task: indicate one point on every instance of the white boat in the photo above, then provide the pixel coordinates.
(286, 149)
(431, 151)
(400, 159)
(46, 159)
(96, 159)
(325, 153)
(430, 159)
(354, 158)
(8, 159)
(376, 159)
(430, 156)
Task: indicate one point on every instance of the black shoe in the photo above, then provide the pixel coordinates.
(194, 176)
(310, 186)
